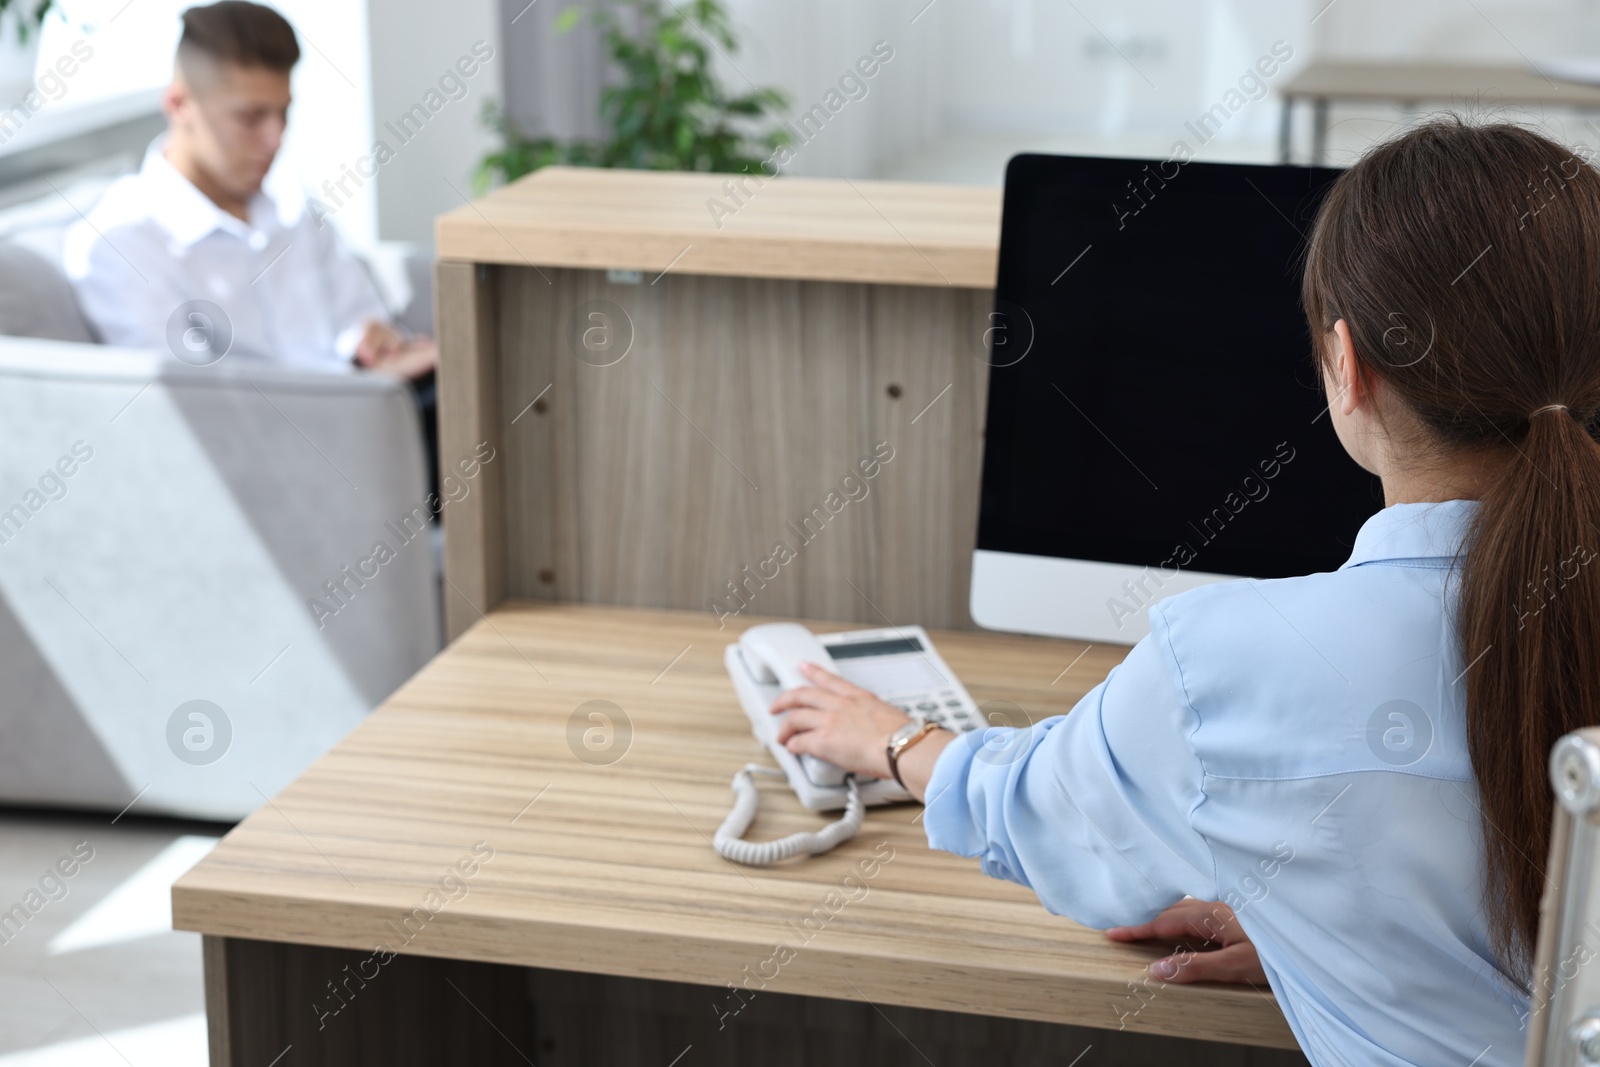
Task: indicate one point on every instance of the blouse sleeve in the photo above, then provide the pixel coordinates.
(1090, 809)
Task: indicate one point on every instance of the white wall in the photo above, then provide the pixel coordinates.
(1019, 68)
(1487, 31)
(1107, 66)
(805, 49)
(415, 44)
(332, 110)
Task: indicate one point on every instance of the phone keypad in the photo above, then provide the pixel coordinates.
(944, 708)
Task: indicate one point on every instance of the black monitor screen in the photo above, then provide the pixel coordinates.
(1152, 396)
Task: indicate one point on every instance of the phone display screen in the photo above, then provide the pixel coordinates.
(887, 665)
(856, 649)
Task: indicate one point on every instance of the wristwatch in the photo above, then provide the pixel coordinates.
(904, 738)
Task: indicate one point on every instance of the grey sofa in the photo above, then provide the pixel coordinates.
(167, 534)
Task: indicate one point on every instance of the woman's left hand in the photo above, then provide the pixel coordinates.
(836, 721)
(1225, 953)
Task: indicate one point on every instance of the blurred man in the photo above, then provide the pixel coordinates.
(201, 254)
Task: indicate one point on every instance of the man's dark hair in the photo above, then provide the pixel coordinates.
(238, 33)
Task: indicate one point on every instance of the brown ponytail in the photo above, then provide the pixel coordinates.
(1466, 260)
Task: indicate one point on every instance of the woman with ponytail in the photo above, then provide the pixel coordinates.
(1504, 400)
(1352, 764)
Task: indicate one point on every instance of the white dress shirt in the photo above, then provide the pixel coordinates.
(156, 264)
(1296, 749)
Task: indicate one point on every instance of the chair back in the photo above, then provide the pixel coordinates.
(1564, 1019)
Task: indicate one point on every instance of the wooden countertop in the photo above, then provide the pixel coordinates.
(892, 233)
(1459, 83)
(609, 868)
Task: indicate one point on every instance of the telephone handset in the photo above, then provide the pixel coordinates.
(898, 663)
(772, 655)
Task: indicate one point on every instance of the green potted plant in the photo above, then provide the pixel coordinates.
(19, 40)
(668, 111)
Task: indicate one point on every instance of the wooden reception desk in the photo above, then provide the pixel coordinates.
(483, 872)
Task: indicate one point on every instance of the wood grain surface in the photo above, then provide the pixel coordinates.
(819, 229)
(601, 856)
(666, 478)
(468, 389)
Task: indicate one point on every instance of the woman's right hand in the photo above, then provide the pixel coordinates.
(1212, 945)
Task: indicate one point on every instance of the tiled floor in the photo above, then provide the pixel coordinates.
(90, 970)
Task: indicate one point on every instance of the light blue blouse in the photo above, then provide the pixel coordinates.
(1297, 749)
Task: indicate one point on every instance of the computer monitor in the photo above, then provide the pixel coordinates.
(1155, 420)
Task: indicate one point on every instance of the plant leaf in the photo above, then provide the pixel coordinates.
(667, 110)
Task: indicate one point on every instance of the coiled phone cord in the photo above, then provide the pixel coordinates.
(729, 837)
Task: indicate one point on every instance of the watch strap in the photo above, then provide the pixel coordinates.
(896, 750)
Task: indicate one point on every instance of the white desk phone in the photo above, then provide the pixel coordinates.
(897, 663)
